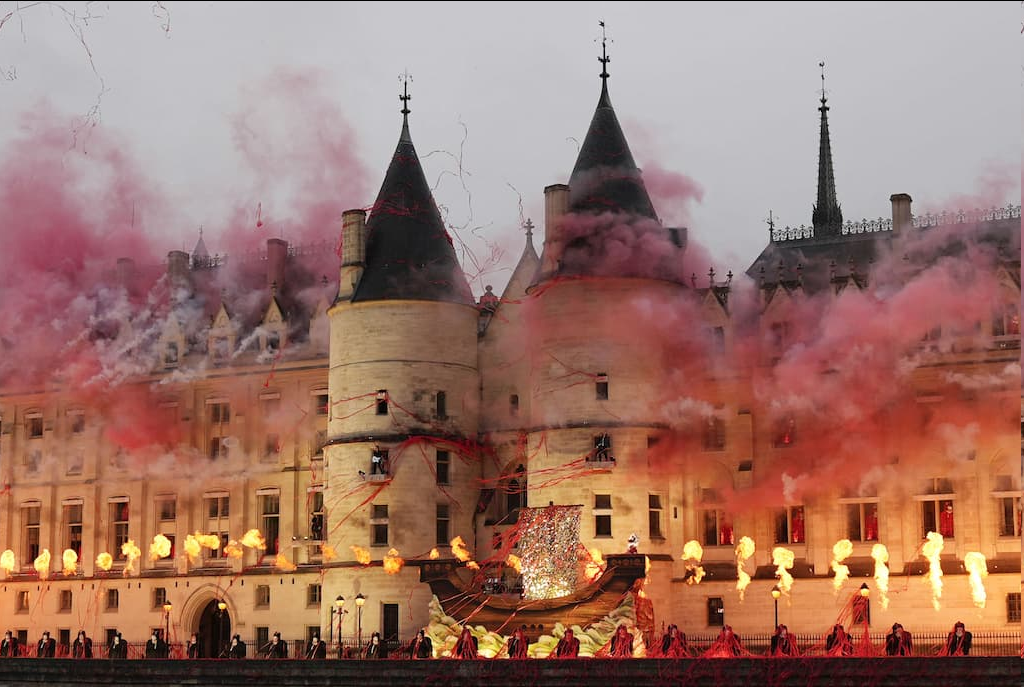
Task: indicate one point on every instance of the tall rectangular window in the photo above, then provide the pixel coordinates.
(118, 527)
(73, 527)
(167, 508)
(314, 593)
(379, 525)
(441, 405)
(601, 387)
(443, 525)
(317, 516)
(262, 636)
(113, 599)
(171, 354)
(218, 448)
(513, 405)
(159, 597)
(713, 434)
(216, 510)
(937, 516)
(22, 601)
(717, 527)
(35, 425)
(262, 596)
(602, 515)
(322, 404)
(443, 467)
(862, 521)
(30, 517)
(785, 433)
(271, 447)
(1013, 607)
(1009, 516)
(382, 401)
(270, 519)
(65, 601)
(789, 525)
(716, 611)
(654, 516)
(77, 421)
(220, 413)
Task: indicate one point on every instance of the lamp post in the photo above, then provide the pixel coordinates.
(360, 600)
(222, 641)
(337, 608)
(167, 626)
(776, 593)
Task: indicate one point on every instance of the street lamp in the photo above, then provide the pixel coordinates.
(222, 641)
(337, 608)
(360, 600)
(776, 593)
(167, 631)
(864, 591)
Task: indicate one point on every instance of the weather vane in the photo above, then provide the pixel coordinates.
(771, 223)
(822, 65)
(604, 59)
(405, 78)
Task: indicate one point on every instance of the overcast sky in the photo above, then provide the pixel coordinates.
(925, 99)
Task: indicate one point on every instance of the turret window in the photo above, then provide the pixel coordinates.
(601, 386)
(382, 401)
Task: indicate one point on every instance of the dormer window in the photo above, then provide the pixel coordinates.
(382, 401)
(171, 354)
(601, 386)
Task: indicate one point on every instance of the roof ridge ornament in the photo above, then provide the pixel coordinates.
(604, 59)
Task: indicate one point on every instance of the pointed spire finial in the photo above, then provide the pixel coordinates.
(405, 78)
(771, 225)
(604, 59)
(823, 98)
(827, 215)
(529, 228)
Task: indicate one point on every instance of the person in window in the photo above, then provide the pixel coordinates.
(958, 642)
(673, 644)
(898, 642)
(946, 520)
(467, 646)
(838, 643)
(375, 648)
(194, 649)
(277, 648)
(568, 646)
(421, 646)
(316, 527)
(237, 647)
(726, 645)
(376, 462)
(871, 524)
(783, 643)
(9, 646)
(47, 647)
(798, 526)
(82, 648)
(621, 644)
(118, 647)
(518, 644)
(726, 536)
(316, 649)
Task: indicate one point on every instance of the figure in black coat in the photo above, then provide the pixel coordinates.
(375, 647)
(277, 648)
(316, 649)
(518, 645)
(9, 646)
(898, 642)
(82, 648)
(958, 642)
(47, 647)
(156, 647)
(421, 646)
(783, 643)
(568, 646)
(237, 647)
(838, 642)
(194, 648)
(118, 647)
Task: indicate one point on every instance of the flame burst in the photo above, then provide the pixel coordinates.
(978, 568)
(131, 552)
(473, 565)
(840, 552)
(782, 559)
(233, 549)
(881, 556)
(160, 548)
(362, 555)
(70, 560)
(744, 550)
(434, 554)
(693, 551)
(282, 563)
(931, 550)
(514, 562)
(195, 543)
(595, 566)
(459, 549)
(7, 561)
(192, 548)
(254, 540)
(42, 564)
(393, 562)
(104, 561)
(328, 552)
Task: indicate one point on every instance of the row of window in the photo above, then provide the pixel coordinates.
(216, 509)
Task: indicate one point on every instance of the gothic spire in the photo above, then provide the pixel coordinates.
(827, 216)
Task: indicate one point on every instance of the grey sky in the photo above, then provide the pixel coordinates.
(925, 98)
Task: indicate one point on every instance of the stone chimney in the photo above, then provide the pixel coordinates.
(353, 252)
(277, 255)
(556, 204)
(901, 217)
(177, 268)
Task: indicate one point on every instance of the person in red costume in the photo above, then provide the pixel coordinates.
(798, 526)
(783, 643)
(898, 642)
(946, 520)
(673, 644)
(568, 646)
(838, 643)
(871, 524)
(467, 645)
(727, 645)
(518, 644)
(622, 643)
